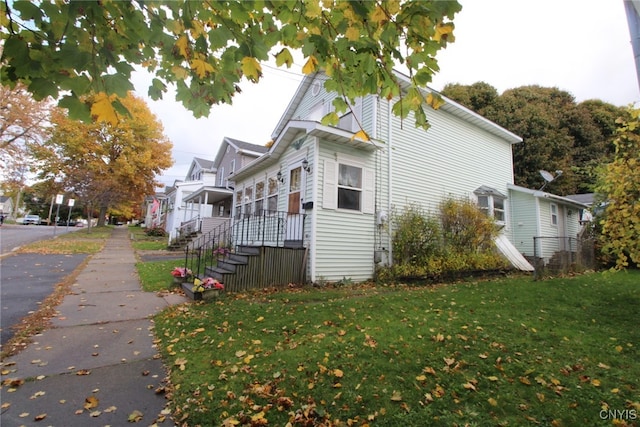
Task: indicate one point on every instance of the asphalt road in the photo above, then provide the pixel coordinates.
(13, 236)
(27, 279)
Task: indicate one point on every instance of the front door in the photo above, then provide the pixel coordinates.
(294, 219)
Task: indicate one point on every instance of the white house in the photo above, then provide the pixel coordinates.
(203, 200)
(345, 188)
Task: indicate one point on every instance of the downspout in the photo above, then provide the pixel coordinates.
(314, 213)
(389, 184)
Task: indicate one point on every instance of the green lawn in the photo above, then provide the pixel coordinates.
(141, 242)
(156, 275)
(508, 352)
(85, 241)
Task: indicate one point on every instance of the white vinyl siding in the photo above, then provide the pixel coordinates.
(452, 157)
(524, 219)
(345, 239)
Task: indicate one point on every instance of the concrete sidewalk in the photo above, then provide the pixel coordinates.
(98, 364)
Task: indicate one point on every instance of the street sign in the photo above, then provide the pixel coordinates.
(72, 202)
(59, 199)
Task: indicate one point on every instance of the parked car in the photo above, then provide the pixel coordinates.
(31, 219)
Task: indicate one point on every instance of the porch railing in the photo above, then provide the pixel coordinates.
(189, 228)
(264, 228)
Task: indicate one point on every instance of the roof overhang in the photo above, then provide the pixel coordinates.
(210, 194)
(292, 132)
(450, 106)
(548, 196)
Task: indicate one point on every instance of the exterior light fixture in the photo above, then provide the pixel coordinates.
(280, 178)
(306, 166)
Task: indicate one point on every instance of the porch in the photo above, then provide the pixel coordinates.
(255, 251)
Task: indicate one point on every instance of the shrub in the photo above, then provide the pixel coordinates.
(465, 228)
(416, 238)
(156, 232)
(459, 239)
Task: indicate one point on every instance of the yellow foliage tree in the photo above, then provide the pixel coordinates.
(620, 188)
(108, 164)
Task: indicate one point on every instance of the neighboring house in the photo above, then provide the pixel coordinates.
(6, 206)
(344, 189)
(203, 200)
(587, 199)
(543, 223)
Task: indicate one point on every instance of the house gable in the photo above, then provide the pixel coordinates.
(232, 155)
(199, 169)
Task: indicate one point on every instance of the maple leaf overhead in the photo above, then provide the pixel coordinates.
(69, 49)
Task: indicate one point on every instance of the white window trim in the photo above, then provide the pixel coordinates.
(552, 214)
(491, 208)
(330, 186)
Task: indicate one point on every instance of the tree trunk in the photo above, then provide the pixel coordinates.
(102, 216)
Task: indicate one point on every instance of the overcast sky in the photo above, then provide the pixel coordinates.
(580, 46)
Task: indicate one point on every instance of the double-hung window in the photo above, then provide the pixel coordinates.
(554, 214)
(259, 198)
(248, 200)
(349, 187)
(491, 202)
(272, 196)
(238, 203)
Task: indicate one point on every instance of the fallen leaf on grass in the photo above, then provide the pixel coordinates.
(469, 386)
(180, 362)
(492, 401)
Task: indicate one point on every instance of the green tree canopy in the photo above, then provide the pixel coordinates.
(557, 132)
(69, 49)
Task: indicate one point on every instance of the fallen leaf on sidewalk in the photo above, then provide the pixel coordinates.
(40, 417)
(83, 372)
(135, 416)
(90, 402)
